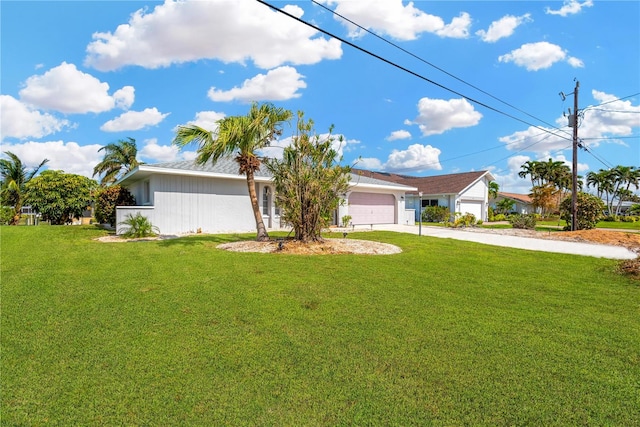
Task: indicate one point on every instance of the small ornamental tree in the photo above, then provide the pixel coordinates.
(309, 181)
(59, 197)
(107, 199)
(589, 209)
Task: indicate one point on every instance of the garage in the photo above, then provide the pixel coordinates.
(372, 208)
(471, 206)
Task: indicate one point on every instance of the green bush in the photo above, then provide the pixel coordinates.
(526, 222)
(589, 210)
(107, 199)
(628, 218)
(500, 217)
(138, 226)
(346, 220)
(490, 215)
(435, 214)
(6, 215)
(466, 220)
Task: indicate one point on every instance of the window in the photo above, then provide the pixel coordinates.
(146, 193)
(265, 201)
(429, 202)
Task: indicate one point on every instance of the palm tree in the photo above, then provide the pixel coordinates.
(494, 188)
(243, 136)
(14, 176)
(531, 168)
(119, 159)
(625, 177)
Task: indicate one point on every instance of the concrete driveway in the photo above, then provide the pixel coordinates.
(528, 243)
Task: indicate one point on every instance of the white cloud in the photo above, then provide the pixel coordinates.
(504, 27)
(370, 163)
(67, 156)
(398, 134)
(575, 62)
(278, 84)
(134, 120)
(18, 120)
(598, 124)
(159, 153)
(436, 116)
(537, 56)
(207, 120)
(402, 22)
(66, 89)
(415, 158)
(231, 31)
(570, 7)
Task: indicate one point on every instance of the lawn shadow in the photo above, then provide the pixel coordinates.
(198, 239)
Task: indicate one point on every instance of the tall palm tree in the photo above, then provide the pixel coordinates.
(242, 136)
(119, 159)
(13, 178)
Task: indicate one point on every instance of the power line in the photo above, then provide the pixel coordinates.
(431, 64)
(400, 67)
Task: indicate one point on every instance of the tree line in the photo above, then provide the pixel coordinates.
(551, 183)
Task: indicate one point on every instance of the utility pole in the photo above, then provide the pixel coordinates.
(573, 121)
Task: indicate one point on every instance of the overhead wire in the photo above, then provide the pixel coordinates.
(400, 67)
(395, 45)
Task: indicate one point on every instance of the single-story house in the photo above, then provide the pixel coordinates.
(466, 192)
(522, 203)
(183, 197)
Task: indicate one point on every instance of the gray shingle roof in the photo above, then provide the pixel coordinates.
(228, 166)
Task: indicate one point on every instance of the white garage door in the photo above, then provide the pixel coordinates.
(372, 208)
(472, 207)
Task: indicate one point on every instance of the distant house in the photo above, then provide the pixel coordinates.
(183, 197)
(466, 192)
(522, 202)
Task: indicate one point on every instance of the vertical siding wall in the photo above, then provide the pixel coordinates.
(184, 204)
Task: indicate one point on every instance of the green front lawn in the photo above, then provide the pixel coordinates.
(180, 333)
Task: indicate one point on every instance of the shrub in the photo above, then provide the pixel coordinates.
(107, 199)
(500, 217)
(466, 220)
(346, 220)
(490, 214)
(435, 214)
(589, 210)
(527, 222)
(138, 226)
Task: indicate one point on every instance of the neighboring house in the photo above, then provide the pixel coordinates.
(466, 192)
(522, 202)
(183, 197)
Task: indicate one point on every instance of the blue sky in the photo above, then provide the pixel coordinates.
(78, 75)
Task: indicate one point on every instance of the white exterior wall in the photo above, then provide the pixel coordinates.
(186, 204)
(469, 199)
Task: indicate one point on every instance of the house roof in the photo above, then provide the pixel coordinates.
(228, 168)
(524, 198)
(453, 183)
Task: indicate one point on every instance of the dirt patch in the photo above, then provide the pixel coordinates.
(325, 247)
(629, 240)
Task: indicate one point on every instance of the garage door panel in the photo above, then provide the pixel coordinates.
(372, 208)
(472, 207)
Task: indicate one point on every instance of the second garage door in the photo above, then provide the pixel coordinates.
(372, 208)
(472, 207)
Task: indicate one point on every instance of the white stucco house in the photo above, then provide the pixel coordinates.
(466, 192)
(183, 197)
(522, 203)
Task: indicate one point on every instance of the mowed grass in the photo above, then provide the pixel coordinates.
(180, 333)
